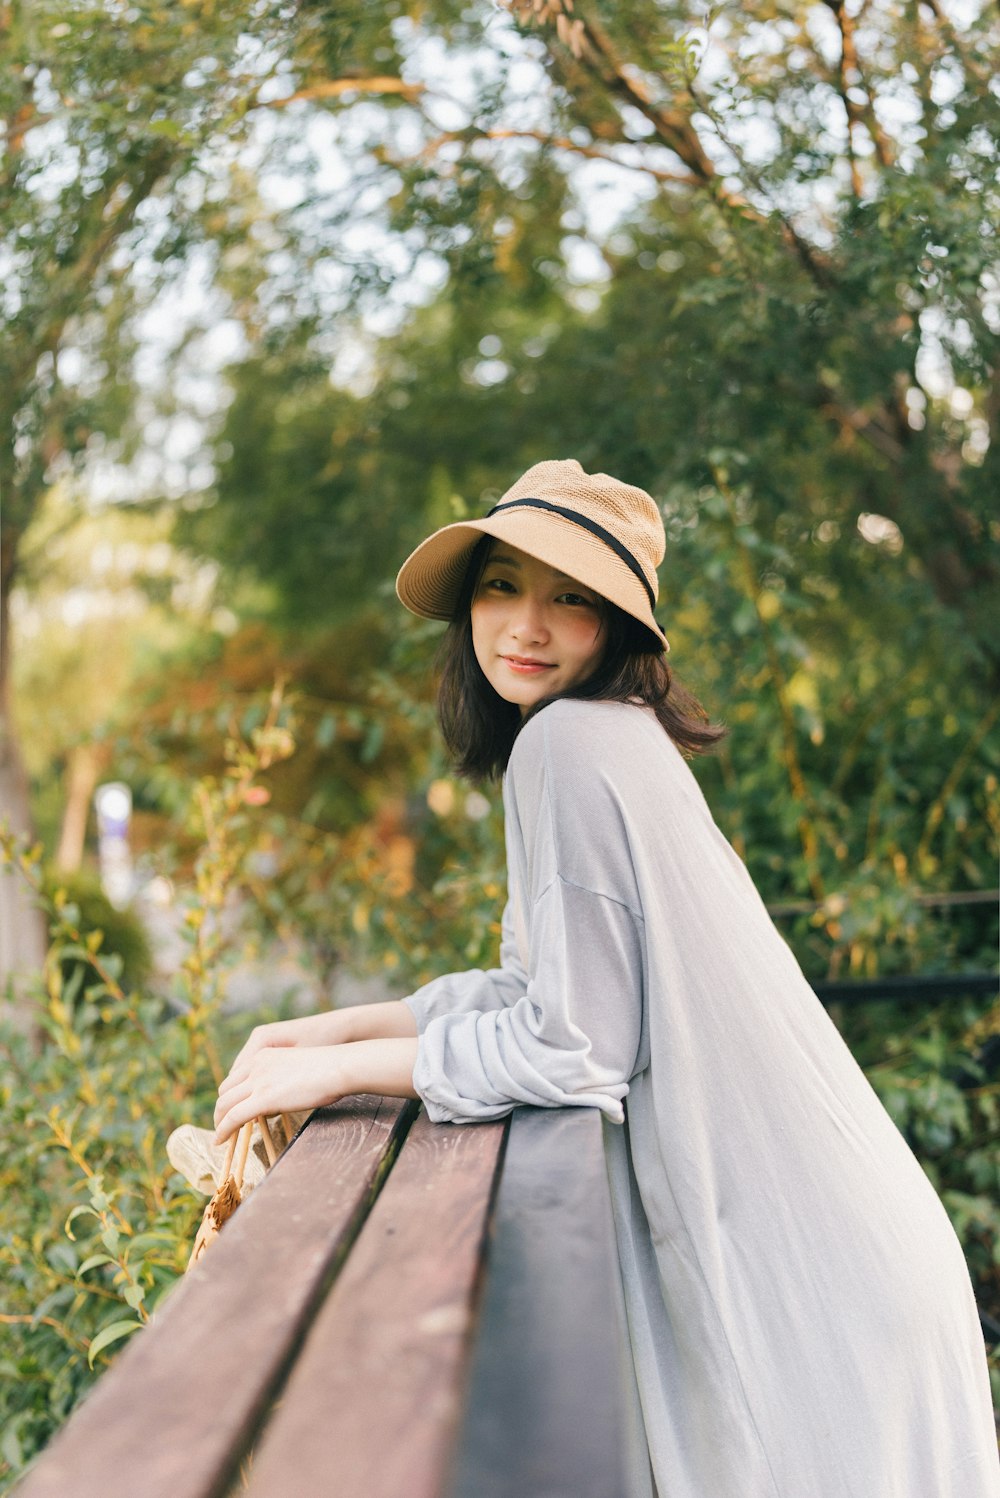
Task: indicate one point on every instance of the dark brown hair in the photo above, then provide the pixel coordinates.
(479, 727)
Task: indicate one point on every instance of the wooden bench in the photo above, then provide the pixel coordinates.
(402, 1308)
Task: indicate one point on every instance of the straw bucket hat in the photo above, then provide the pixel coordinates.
(601, 532)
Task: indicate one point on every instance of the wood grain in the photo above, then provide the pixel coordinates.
(545, 1416)
(372, 1404)
(179, 1406)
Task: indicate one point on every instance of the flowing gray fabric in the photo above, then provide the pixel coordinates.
(800, 1313)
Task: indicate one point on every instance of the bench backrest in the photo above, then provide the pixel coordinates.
(402, 1308)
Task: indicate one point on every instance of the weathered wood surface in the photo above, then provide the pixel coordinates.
(172, 1417)
(372, 1404)
(545, 1415)
(470, 1346)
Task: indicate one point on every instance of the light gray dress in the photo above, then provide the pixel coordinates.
(800, 1314)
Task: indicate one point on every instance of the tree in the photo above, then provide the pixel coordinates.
(833, 168)
(778, 352)
(804, 159)
(120, 133)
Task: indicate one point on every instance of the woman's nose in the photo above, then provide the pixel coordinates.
(529, 620)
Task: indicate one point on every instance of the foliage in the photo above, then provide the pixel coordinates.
(94, 1225)
(365, 830)
(860, 768)
(938, 1075)
(803, 378)
(127, 141)
(106, 598)
(121, 931)
(792, 324)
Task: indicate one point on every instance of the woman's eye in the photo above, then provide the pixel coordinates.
(497, 585)
(578, 600)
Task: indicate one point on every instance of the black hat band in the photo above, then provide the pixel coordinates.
(588, 525)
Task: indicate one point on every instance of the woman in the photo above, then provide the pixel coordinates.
(799, 1311)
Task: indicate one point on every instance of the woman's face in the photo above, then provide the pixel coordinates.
(535, 631)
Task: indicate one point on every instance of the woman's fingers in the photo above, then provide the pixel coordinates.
(229, 1096)
(287, 1080)
(260, 1037)
(236, 1116)
(237, 1078)
(264, 1037)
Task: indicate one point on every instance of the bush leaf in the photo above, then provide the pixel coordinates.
(92, 1262)
(109, 1334)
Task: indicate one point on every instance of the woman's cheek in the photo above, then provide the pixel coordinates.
(482, 611)
(587, 630)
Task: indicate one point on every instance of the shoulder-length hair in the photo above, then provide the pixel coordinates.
(479, 727)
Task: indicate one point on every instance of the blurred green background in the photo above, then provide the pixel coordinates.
(285, 287)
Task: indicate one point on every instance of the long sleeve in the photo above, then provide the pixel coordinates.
(477, 989)
(574, 1036)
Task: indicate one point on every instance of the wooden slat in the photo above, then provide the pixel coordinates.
(172, 1415)
(372, 1403)
(545, 1413)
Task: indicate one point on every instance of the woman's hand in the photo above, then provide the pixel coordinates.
(276, 1078)
(328, 1028)
(292, 1078)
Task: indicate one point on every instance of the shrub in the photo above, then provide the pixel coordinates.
(95, 1226)
(121, 931)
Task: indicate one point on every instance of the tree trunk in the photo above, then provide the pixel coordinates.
(82, 771)
(23, 937)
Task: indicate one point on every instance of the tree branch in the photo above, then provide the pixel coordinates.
(64, 299)
(672, 125)
(596, 54)
(851, 76)
(957, 46)
(560, 143)
(863, 425)
(334, 88)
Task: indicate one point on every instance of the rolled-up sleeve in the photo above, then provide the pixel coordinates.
(478, 989)
(572, 1038)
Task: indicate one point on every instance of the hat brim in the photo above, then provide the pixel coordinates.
(430, 580)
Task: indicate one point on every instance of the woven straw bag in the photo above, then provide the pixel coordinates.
(229, 1192)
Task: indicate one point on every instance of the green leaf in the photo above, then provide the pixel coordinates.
(74, 984)
(72, 950)
(140, 1243)
(77, 1212)
(92, 1263)
(372, 742)
(109, 1334)
(10, 1445)
(169, 129)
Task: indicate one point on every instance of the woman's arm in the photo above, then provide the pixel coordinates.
(575, 1037)
(304, 1061)
(333, 1027)
(298, 1061)
(476, 989)
(294, 1078)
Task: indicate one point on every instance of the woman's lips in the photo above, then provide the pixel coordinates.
(525, 666)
